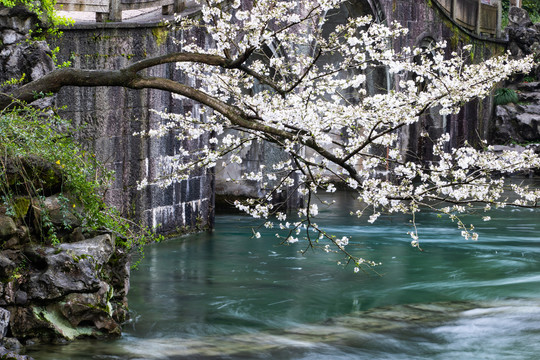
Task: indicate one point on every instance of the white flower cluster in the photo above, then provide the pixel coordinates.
(268, 74)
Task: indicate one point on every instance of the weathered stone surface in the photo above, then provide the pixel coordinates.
(19, 18)
(523, 36)
(518, 123)
(519, 16)
(9, 355)
(33, 172)
(25, 323)
(6, 266)
(71, 290)
(10, 37)
(69, 268)
(58, 211)
(4, 322)
(7, 227)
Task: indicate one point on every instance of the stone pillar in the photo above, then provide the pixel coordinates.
(114, 14)
(499, 19)
(177, 7)
(115, 10)
(479, 18)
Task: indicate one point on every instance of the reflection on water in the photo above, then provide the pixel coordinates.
(224, 295)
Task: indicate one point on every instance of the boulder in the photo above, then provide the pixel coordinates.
(9, 37)
(7, 227)
(6, 266)
(68, 268)
(72, 290)
(518, 123)
(523, 35)
(33, 172)
(58, 210)
(4, 322)
(19, 18)
(519, 17)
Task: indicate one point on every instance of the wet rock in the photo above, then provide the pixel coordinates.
(69, 291)
(95, 308)
(4, 322)
(69, 268)
(9, 355)
(25, 324)
(12, 344)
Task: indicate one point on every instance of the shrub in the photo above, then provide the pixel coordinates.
(505, 96)
(38, 153)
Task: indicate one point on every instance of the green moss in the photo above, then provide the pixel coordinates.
(60, 324)
(160, 34)
(20, 207)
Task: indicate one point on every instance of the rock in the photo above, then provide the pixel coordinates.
(20, 297)
(7, 227)
(76, 235)
(6, 267)
(9, 37)
(56, 210)
(518, 16)
(523, 36)
(26, 322)
(118, 270)
(12, 344)
(8, 355)
(20, 19)
(33, 59)
(516, 122)
(4, 322)
(33, 172)
(69, 268)
(95, 308)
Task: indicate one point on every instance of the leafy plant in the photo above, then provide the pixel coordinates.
(46, 12)
(30, 133)
(505, 96)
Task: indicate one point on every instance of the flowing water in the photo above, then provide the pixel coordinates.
(225, 295)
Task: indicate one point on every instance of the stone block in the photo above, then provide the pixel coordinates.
(4, 322)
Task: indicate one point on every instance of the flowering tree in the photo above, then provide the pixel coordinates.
(272, 73)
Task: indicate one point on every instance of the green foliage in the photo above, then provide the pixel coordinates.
(54, 53)
(46, 12)
(27, 132)
(505, 96)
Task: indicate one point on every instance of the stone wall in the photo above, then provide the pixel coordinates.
(111, 115)
(427, 24)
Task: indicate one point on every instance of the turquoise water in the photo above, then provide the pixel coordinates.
(225, 295)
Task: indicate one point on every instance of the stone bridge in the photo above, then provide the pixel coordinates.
(112, 115)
